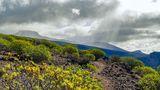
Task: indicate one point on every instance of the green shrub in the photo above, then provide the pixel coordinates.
(131, 62)
(150, 82)
(83, 52)
(69, 49)
(38, 53)
(8, 38)
(158, 69)
(19, 46)
(91, 67)
(89, 57)
(49, 44)
(4, 42)
(115, 58)
(85, 59)
(23, 38)
(75, 56)
(57, 50)
(97, 53)
(145, 70)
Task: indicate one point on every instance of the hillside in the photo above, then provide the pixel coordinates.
(28, 33)
(153, 59)
(105, 46)
(32, 34)
(148, 59)
(39, 64)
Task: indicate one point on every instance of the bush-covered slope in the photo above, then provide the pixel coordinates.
(38, 64)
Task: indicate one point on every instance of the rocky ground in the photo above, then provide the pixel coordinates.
(101, 65)
(120, 78)
(113, 75)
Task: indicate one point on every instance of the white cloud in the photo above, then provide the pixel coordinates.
(128, 22)
(139, 6)
(76, 11)
(147, 45)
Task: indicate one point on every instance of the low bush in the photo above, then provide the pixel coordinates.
(115, 58)
(89, 57)
(83, 52)
(47, 43)
(31, 40)
(150, 82)
(38, 53)
(19, 46)
(131, 62)
(82, 61)
(57, 50)
(91, 67)
(4, 43)
(158, 69)
(69, 49)
(145, 70)
(75, 56)
(8, 38)
(97, 53)
(85, 59)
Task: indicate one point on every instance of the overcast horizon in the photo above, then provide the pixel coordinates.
(129, 24)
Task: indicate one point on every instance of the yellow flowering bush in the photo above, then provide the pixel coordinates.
(31, 76)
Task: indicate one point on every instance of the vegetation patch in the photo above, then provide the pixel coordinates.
(28, 75)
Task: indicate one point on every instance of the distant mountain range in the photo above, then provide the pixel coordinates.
(32, 34)
(104, 45)
(152, 59)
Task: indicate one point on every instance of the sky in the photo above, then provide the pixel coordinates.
(129, 24)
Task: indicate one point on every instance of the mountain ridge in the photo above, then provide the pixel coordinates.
(104, 45)
(151, 59)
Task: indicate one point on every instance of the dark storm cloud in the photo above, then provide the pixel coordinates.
(154, 0)
(113, 27)
(128, 28)
(49, 11)
(145, 20)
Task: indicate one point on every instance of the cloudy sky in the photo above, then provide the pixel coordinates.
(129, 24)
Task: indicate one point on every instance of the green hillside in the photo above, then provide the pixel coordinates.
(38, 64)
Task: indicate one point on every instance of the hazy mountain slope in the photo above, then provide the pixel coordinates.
(104, 45)
(31, 34)
(138, 54)
(152, 59)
